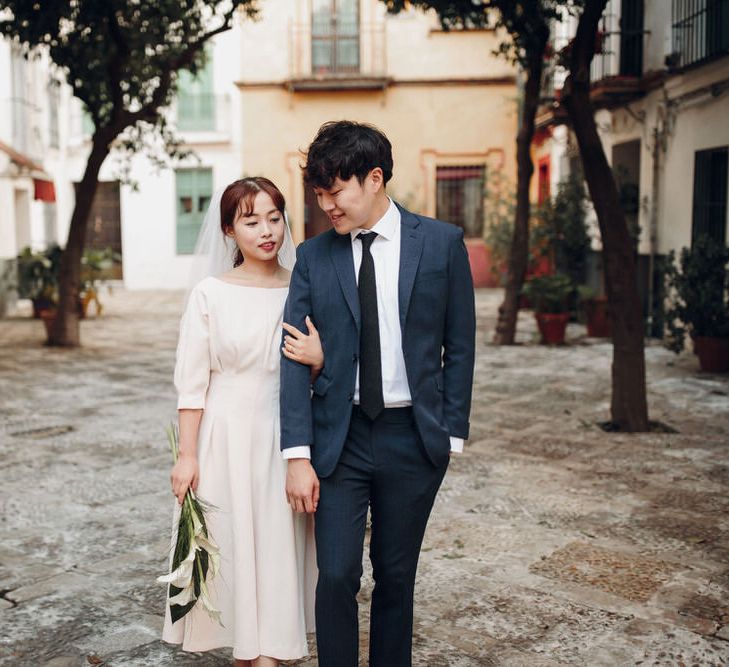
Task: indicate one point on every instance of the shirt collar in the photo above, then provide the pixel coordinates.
(386, 226)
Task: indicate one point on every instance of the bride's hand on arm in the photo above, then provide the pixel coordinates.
(304, 348)
(185, 472)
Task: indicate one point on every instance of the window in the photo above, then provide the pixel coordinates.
(193, 193)
(49, 223)
(700, 30)
(335, 37)
(196, 100)
(710, 194)
(87, 123)
(543, 182)
(53, 104)
(19, 102)
(459, 197)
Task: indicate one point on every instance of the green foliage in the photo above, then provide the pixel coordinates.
(120, 58)
(500, 213)
(564, 229)
(585, 293)
(549, 294)
(698, 289)
(96, 266)
(629, 195)
(38, 271)
(38, 274)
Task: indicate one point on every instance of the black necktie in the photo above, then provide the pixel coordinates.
(370, 363)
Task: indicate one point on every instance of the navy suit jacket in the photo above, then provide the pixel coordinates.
(437, 318)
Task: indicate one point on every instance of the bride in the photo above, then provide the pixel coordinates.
(227, 379)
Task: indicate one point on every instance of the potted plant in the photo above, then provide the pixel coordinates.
(699, 302)
(95, 270)
(549, 296)
(38, 278)
(595, 309)
(562, 231)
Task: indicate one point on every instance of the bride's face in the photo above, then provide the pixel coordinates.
(259, 233)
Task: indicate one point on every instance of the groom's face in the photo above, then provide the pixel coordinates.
(350, 204)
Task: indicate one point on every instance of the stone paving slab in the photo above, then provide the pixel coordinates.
(551, 542)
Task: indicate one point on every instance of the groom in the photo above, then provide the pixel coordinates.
(392, 297)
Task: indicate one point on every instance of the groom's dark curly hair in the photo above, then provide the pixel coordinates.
(344, 148)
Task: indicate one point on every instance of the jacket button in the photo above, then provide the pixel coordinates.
(350, 397)
(354, 358)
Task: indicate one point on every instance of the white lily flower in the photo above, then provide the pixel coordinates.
(208, 605)
(182, 576)
(214, 559)
(213, 551)
(197, 527)
(207, 544)
(184, 597)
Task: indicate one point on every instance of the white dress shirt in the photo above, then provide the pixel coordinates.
(385, 251)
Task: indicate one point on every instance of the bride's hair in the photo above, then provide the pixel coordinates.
(238, 198)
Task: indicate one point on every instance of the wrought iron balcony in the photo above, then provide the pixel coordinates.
(331, 57)
(617, 68)
(700, 31)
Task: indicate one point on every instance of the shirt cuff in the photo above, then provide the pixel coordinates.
(302, 452)
(456, 445)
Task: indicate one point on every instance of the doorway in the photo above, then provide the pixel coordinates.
(315, 220)
(104, 226)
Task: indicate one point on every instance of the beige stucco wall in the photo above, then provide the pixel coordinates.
(692, 120)
(427, 125)
(445, 99)
(413, 43)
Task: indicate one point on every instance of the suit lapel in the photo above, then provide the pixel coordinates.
(341, 252)
(411, 247)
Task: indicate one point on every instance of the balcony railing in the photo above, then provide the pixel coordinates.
(700, 31)
(346, 56)
(619, 43)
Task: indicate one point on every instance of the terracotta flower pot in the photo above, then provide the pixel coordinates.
(713, 354)
(552, 327)
(598, 318)
(48, 315)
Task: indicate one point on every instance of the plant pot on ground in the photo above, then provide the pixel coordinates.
(596, 312)
(549, 295)
(96, 269)
(38, 277)
(48, 315)
(713, 354)
(698, 289)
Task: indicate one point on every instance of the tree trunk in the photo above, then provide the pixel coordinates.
(629, 410)
(519, 252)
(66, 330)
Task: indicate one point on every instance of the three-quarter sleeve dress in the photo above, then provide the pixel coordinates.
(228, 360)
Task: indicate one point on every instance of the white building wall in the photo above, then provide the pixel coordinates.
(148, 213)
(689, 112)
(24, 127)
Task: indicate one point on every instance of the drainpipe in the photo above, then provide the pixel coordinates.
(653, 223)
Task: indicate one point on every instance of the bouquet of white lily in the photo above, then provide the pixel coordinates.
(196, 558)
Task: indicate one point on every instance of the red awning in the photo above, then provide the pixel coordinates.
(44, 190)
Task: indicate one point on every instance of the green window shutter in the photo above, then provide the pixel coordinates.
(87, 124)
(194, 189)
(196, 100)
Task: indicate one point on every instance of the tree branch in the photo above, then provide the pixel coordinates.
(583, 45)
(149, 111)
(115, 66)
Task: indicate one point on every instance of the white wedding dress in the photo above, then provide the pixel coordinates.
(228, 364)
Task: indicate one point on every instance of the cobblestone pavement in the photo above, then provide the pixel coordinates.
(551, 543)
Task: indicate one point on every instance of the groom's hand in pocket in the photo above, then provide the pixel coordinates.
(302, 486)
